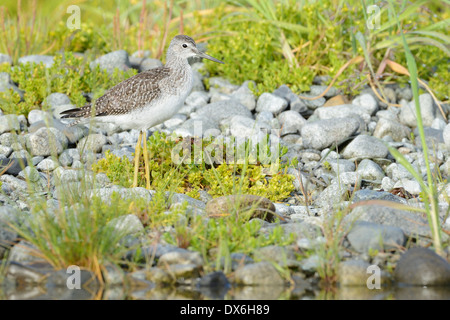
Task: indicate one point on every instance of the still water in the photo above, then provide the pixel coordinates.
(234, 293)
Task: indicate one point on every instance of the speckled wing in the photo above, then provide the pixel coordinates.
(131, 94)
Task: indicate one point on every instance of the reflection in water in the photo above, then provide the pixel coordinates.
(235, 293)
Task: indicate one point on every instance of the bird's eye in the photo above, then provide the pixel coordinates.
(184, 45)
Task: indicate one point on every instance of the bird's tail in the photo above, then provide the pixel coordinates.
(79, 113)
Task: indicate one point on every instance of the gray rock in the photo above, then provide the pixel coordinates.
(282, 209)
(261, 273)
(356, 273)
(295, 104)
(422, 267)
(313, 104)
(9, 122)
(398, 172)
(386, 127)
(315, 90)
(142, 54)
(223, 85)
(24, 252)
(110, 61)
(113, 275)
(342, 111)
(183, 273)
(412, 224)
(46, 141)
(176, 120)
(438, 124)
(30, 173)
(323, 133)
(270, 102)
(123, 152)
(302, 212)
(243, 127)
(46, 60)
(127, 224)
(105, 194)
(4, 58)
(150, 252)
(197, 98)
(367, 102)
(157, 275)
(92, 142)
(311, 264)
(390, 114)
(245, 96)
(14, 165)
(196, 127)
(367, 194)
(369, 170)
(5, 151)
(218, 96)
(365, 236)
(144, 64)
(364, 146)
(331, 195)
(37, 115)
(221, 110)
(446, 136)
(283, 256)
(65, 159)
(348, 178)
(411, 186)
(6, 84)
(10, 139)
(427, 107)
(404, 93)
(387, 184)
(8, 215)
(433, 137)
(56, 99)
(445, 168)
(290, 122)
(181, 257)
(181, 198)
(47, 165)
(339, 166)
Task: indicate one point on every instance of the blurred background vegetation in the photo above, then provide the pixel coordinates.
(270, 42)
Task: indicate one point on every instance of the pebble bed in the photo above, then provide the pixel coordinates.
(361, 166)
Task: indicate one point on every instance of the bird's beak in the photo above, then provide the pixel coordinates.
(204, 55)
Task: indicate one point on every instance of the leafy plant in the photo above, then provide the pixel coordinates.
(190, 176)
(68, 74)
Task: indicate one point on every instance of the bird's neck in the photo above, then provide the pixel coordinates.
(173, 61)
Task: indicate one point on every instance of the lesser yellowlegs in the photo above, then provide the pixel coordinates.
(148, 98)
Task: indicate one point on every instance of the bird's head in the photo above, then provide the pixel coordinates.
(183, 46)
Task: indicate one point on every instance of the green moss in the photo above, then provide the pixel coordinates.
(189, 178)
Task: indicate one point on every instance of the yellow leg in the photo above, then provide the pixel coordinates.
(147, 166)
(137, 155)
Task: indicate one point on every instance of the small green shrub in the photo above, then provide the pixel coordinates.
(69, 74)
(217, 180)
